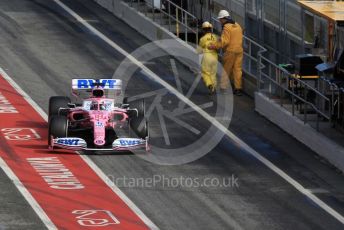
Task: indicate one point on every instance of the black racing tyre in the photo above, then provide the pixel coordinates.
(110, 135)
(137, 104)
(58, 127)
(57, 102)
(141, 132)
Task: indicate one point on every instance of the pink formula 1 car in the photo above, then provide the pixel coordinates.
(99, 123)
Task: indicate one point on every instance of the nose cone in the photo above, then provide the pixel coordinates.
(99, 132)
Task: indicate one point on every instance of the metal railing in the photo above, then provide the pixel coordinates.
(336, 95)
(273, 80)
(169, 15)
(340, 110)
(288, 89)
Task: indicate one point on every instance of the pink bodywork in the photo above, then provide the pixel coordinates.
(98, 117)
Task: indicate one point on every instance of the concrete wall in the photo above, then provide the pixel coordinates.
(304, 133)
(146, 26)
(212, 8)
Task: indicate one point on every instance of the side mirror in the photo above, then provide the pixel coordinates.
(71, 105)
(132, 113)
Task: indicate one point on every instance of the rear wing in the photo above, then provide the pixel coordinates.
(87, 84)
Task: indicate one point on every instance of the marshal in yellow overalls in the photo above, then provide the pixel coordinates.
(231, 43)
(209, 60)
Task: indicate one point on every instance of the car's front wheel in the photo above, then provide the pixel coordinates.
(58, 127)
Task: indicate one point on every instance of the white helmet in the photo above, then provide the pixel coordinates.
(207, 24)
(223, 14)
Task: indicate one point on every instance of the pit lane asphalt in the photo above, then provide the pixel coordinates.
(42, 48)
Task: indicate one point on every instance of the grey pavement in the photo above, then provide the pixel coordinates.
(43, 48)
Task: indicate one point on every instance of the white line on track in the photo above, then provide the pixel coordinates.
(231, 135)
(119, 193)
(40, 212)
(27, 195)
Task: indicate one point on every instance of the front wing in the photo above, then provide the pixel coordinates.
(120, 144)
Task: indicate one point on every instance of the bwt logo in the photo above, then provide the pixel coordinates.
(87, 83)
(74, 142)
(129, 142)
(99, 124)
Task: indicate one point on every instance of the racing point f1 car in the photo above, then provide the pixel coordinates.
(98, 123)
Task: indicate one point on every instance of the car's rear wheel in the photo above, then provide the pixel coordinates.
(57, 102)
(140, 127)
(137, 104)
(58, 127)
(137, 120)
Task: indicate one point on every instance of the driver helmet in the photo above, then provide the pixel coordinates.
(94, 105)
(102, 106)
